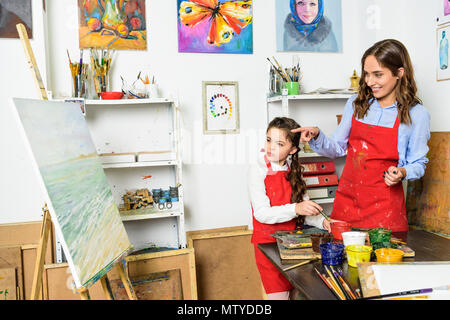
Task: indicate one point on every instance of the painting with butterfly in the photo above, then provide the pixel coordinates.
(215, 26)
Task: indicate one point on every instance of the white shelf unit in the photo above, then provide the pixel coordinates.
(286, 101)
(142, 135)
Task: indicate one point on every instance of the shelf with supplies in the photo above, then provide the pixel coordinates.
(273, 107)
(279, 98)
(139, 142)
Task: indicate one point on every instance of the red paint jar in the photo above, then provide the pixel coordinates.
(338, 227)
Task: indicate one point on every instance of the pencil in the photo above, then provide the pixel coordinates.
(328, 284)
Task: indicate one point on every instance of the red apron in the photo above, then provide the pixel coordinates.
(278, 189)
(363, 199)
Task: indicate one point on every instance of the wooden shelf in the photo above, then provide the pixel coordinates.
(151, 213)
(140, 164)
(311, 97)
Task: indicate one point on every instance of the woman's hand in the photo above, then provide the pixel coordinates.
(307, 208)
(307, 133)
(394, 175)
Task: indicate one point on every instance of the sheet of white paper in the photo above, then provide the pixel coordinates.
(402, 277)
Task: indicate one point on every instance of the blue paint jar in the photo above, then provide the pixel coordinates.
(332, 253)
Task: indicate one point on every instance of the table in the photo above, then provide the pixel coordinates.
(427, 246)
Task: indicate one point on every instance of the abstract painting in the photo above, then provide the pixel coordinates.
(309, 25)
(215, 26)
(112, 24)
(13, 12)
(220, 107)
(78, 196)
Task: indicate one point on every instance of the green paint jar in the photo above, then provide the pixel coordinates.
(292, 87)
(379, 235)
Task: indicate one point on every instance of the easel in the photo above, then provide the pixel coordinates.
(36, 290)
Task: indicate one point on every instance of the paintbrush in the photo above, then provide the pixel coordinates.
(328, 284)
(333, 281)
(340, 285)
(344, 284)
(277, 70)
(279, 66)
(299, 264)
(326, 217)
(408, 292)
(81, 62)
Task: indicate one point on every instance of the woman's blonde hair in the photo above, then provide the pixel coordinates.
(391, 54)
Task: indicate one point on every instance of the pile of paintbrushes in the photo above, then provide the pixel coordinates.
(101, 65)
(336, 283)
(79, 73)
(287, 74)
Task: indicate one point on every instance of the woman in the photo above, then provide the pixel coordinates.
(385, 130)
(307, 29)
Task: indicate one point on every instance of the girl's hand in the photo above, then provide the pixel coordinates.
(394, 175)
(307, 208)
(307, 133)
(327, 224)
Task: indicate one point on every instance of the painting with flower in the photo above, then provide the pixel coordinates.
(112, 24)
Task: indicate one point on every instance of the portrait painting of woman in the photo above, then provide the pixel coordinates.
(309, 25)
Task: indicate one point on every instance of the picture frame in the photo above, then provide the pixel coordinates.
(442, 53)
(220, 107)
(443, 14)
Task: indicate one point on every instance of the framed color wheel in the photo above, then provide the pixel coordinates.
(220, 107)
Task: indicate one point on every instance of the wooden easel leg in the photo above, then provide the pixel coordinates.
(106, 288)
(36, 288)
(84, 294)
(126, 282)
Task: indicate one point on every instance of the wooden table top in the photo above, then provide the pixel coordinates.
(427, 246)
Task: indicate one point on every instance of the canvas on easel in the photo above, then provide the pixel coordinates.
(78, 196)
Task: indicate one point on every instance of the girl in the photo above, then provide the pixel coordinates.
(385, 130)
(278, 197)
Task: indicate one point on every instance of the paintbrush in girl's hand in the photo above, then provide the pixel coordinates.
(326, 217)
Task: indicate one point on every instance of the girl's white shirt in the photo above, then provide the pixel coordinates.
(260, 202)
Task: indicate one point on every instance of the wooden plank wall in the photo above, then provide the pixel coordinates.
(428, 199)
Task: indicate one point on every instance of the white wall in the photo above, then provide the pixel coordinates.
(20, 197)
(216, 165)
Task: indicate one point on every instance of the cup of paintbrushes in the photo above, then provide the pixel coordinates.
(79, 80)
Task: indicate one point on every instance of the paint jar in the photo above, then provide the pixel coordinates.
(354, 237)
(318, 238)
(357, 254)
(389, 255)
(379, 235)
(332, 253)
(338, 227)
(292, 87)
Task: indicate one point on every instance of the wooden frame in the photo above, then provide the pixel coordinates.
(182, 259)
(222, 269)
(231, 107)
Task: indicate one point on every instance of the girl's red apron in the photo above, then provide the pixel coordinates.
(363, 199)
(278, 189)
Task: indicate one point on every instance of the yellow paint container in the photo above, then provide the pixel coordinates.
(389, 255)
(357, 253)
